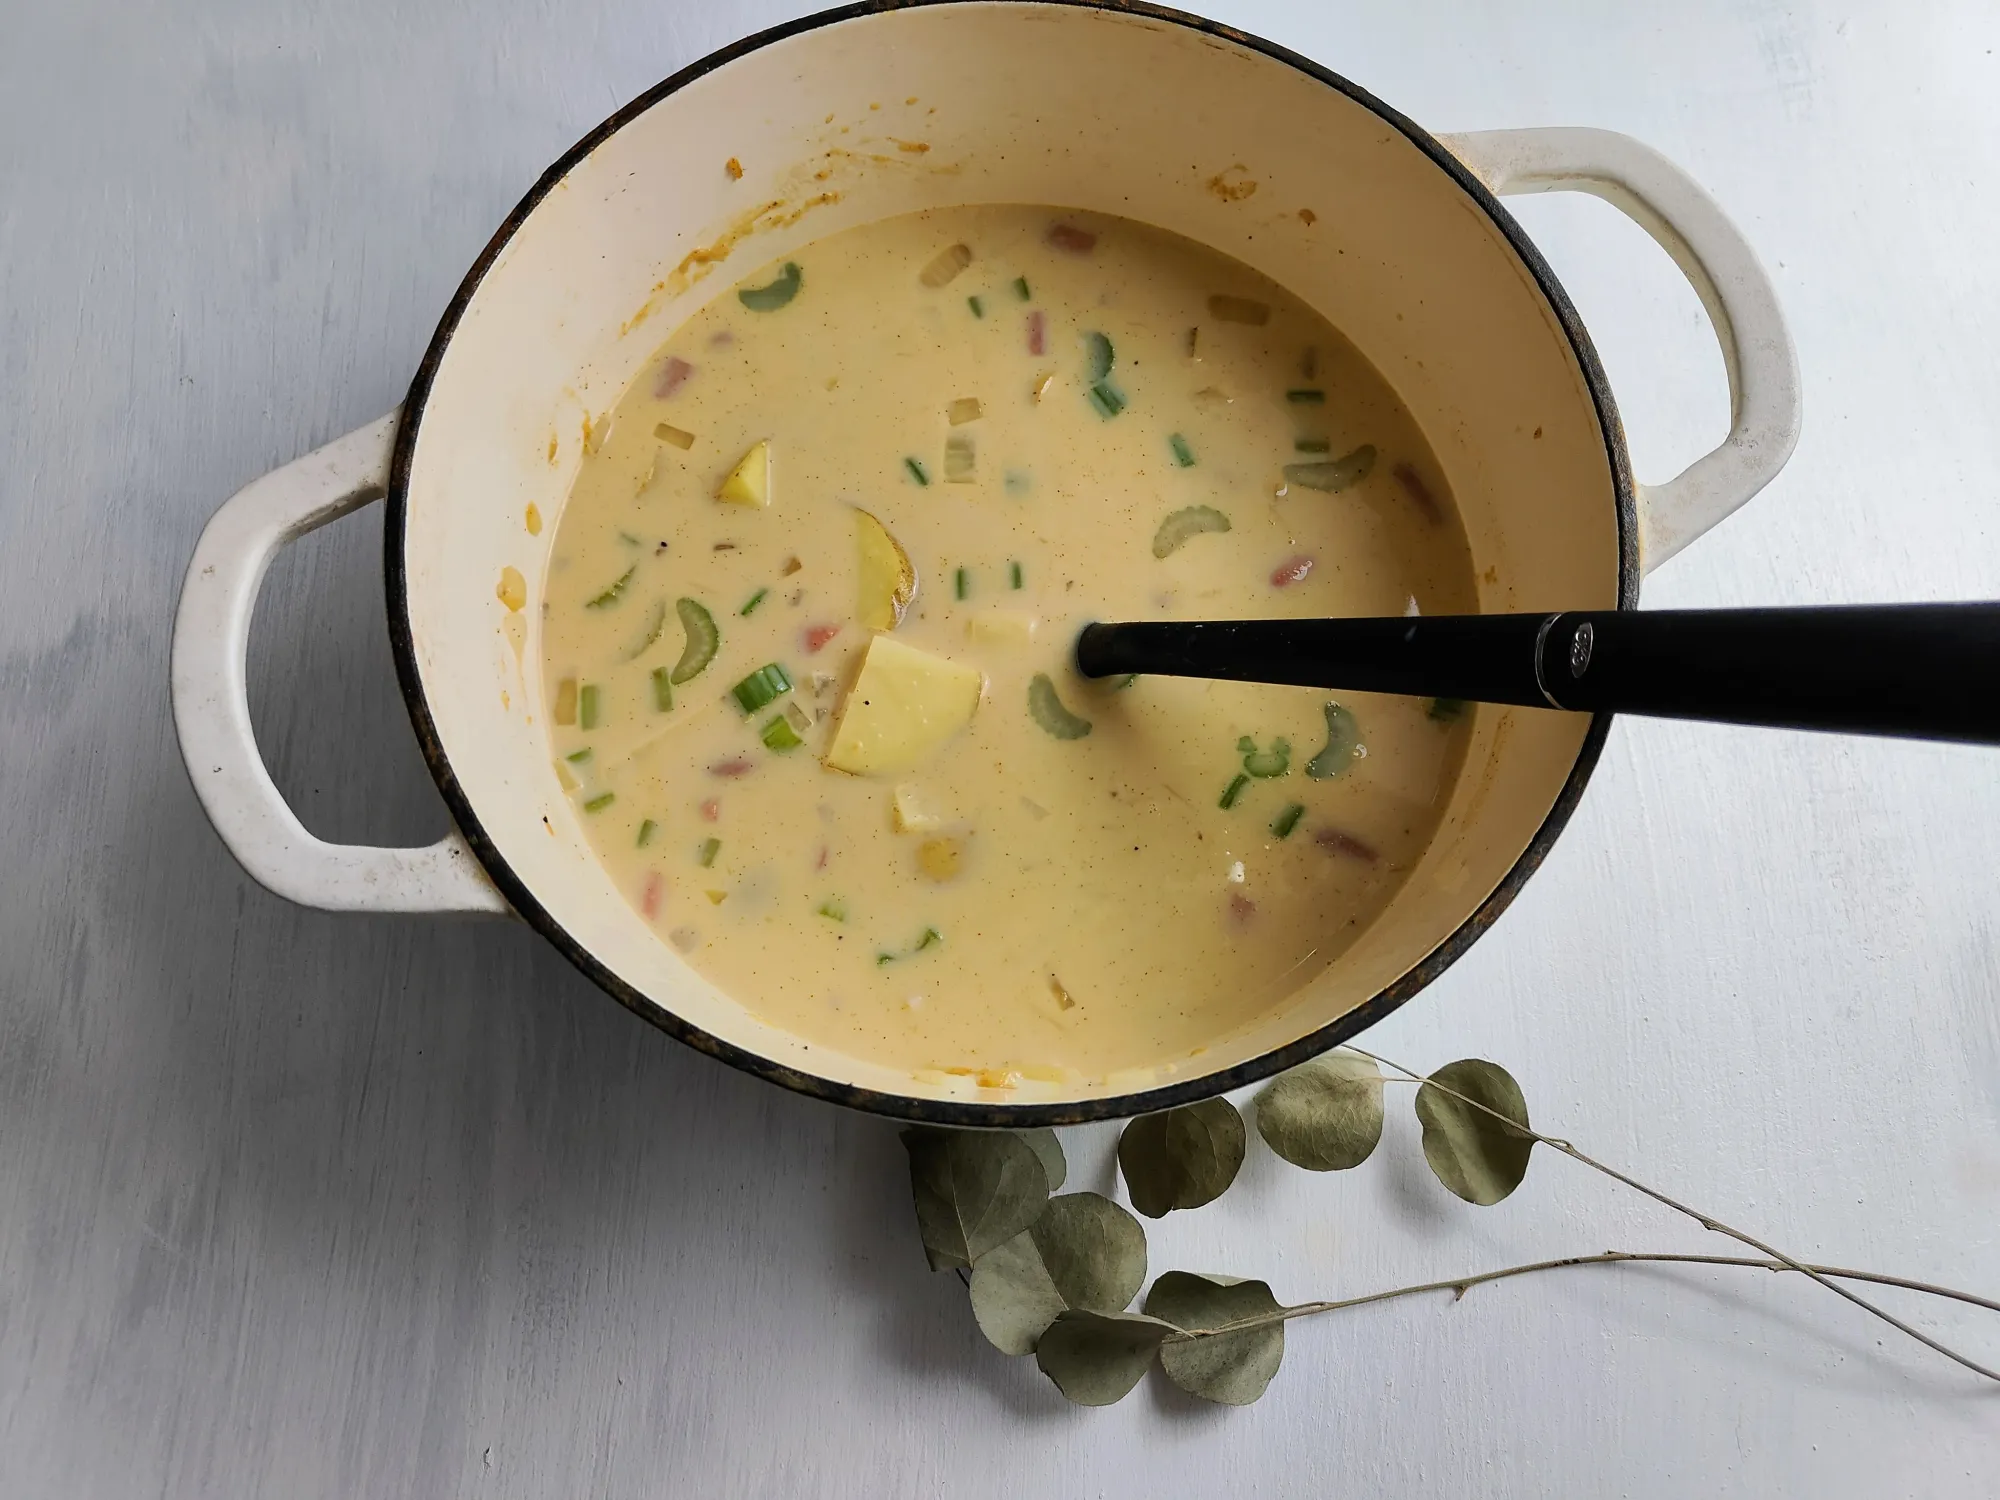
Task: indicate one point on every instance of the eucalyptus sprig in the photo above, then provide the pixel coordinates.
(1055, 1276)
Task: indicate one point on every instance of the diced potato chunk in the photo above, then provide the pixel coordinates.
(749, 483)
(888, 581)
(910, 813)
(940, 858)
(1002, 627)
(902, 708)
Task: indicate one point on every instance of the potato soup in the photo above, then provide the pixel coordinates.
(808, 622)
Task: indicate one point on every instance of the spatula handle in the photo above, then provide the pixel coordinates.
(1919, 671)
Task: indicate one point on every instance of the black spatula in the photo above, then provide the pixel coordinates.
(1917, 671)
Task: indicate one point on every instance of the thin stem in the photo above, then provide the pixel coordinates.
(1462, 1284)
(1714, 1225)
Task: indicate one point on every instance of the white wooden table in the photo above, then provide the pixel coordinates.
(303, 1206)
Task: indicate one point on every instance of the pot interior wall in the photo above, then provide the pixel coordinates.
(1016, 103)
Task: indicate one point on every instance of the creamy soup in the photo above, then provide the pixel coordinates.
(807, 637)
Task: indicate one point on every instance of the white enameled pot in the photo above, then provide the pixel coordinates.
(1395, 235)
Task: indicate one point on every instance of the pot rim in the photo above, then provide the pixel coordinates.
(963, 1113)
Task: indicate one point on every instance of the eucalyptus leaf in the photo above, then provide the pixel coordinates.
(1478, 1157)
(1324, 1115)
(1181, 1158)
(1096, 1358)
(1084, 1252)
(1231, 1368)
(974, 1189)
(1045, 1145)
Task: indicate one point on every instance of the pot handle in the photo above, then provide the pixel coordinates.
(1742, 306)
(212, 705)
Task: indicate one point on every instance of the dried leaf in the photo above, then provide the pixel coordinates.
(974, 1189)
(1045, 1145)
(1096, 1358)
(1232, 1368)
(1181, 1158)
(1083, 1252)
(1478, 1157)
(1324, 1115)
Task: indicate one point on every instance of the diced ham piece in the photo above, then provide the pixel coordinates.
(711, 810)
(731, 768)
(1038, 332)
(673, 375)
(1419, 493)
(1336, 842)
(1292, 570)
(816, 637)
(649, 903)
(1069, 237)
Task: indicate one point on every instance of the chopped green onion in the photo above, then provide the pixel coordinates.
(1312, 445)
(1336, 475)
(930, 939)
(578, 757)
(654, 627)
(1343, 744)
(663, 689)
(601, 801)
(1107, 398)
(833, 907)
(1447, 710)
(1098, 355)
(1021, 287)
(586, 706)
(916, 471)
(1234, 790)
(1185, 524)
(703, 640)
(780, 736)
(775, 295)
(978, 308)
(1183, 454)
(1014, 574)
(1047, 710)
(1288, 820)
(706, 851)
(945, 265)
(1306, 398)
(765, 685)
(961, 460)
(1265, 764)
(961, 583)
(753, 601)
(613, 594)
(646, 831)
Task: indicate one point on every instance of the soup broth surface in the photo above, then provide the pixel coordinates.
(1055, 417)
